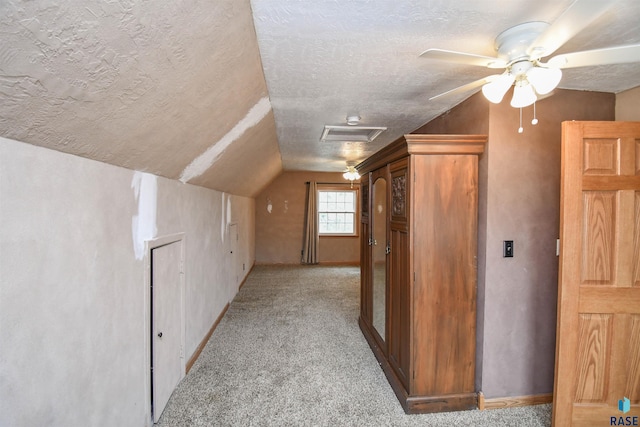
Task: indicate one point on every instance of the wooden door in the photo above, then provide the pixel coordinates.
(167, 355)
(598, 330)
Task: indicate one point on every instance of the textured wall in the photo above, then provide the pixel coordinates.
(523, 206)
(279, 233)
(520, 174)
(628, 105)
(72, 287)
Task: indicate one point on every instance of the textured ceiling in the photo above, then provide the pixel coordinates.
(225, 94)
(326, 59)
(148, 85)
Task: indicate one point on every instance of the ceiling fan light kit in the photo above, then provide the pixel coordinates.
(530, 81)
(351, 174)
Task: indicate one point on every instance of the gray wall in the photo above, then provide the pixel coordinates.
(72, 281)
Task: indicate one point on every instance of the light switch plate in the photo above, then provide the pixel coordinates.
(507, 249)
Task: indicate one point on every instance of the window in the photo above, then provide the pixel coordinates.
(337, 212)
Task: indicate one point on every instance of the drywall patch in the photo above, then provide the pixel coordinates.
(223, 220)
(225, 215)
(143, 225)
(204, 161)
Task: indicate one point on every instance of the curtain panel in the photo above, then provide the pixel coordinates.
(310, 236)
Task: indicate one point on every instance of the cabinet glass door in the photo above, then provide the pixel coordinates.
(378, 216)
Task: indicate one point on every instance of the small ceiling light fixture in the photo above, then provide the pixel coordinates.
(353, 120)
(351, 174)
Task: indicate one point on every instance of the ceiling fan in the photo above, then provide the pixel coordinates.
(520, 50)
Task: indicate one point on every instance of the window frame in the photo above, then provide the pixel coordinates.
(356, 214)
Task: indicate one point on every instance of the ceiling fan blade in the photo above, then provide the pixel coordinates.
(468, 87)
(574, 19)
(464, 58)
(605, 56)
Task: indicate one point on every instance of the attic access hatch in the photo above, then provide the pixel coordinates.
(351, 133)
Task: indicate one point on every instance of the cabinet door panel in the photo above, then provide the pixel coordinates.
(379, 236)
(400, 191)
(445, 289)
(400, 306)
(365, 273)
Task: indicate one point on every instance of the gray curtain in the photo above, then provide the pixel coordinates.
(311, 239)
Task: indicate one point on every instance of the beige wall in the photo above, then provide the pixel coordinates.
(628, 105)
(279, 233)
(73, 297)
(520, 174)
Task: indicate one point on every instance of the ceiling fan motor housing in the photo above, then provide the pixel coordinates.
(520, 68)
(514, 43)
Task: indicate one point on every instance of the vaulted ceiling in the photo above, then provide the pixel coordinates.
(226, 94)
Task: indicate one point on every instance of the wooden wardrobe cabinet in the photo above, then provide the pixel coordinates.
(418, 267)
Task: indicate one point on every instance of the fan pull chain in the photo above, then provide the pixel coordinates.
(520, 129)
(535, 120)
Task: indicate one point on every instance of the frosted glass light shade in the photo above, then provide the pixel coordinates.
(494, 91)
(523, 95)
(544, 80)
(351, 174)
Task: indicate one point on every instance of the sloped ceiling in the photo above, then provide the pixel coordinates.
(147, 85)
(226, 94)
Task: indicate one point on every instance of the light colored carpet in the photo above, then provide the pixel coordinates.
(289, 352)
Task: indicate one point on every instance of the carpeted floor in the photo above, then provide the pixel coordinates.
(289, 352)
